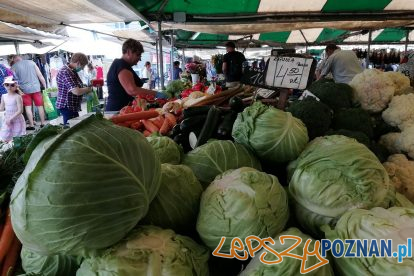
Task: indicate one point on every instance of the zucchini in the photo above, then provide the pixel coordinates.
(236, 104)
(210, 126)
(175, 130)
(196, 110)
(192, 122)
(226, 126)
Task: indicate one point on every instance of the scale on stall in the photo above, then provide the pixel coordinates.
(284, 71)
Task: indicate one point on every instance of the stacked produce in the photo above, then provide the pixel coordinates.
(103, 199)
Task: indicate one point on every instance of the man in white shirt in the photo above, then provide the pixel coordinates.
(343, 64)
(147, 74)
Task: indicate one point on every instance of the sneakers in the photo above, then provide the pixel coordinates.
(30, 128)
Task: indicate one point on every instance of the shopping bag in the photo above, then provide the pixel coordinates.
(92, 101)
(47, 103)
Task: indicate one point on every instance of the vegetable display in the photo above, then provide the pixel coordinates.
(177, 202)
(395, 223)
(217, 157)
(273, 135)
(354, 119)
(334, 95)
(335, 174)
(289, 266)
(240, 203)
(149, 250)
(76, 182)
(401, 172)
(400, 112)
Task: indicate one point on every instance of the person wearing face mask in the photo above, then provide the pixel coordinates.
(70, 87)
(123, 83)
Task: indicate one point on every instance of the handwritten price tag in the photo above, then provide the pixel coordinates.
(288, 72)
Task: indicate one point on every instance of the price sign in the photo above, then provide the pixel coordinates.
(253, 76)
(288, 72)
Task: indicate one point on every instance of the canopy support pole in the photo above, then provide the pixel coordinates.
(158, 58)
(172, 55)
(161, 56)
(183, 62)
(306, 41)
(407, 38)
(369, 48)
(16, 47)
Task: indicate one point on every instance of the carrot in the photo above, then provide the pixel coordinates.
(150, 126)
(136, 125)
(9, 263)
(158, 121)
(166, 127)
(171, 118)
(135, 116)
(147, 133)
(6, 237)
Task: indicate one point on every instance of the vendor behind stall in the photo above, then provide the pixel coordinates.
(123, 83)
(70, 87)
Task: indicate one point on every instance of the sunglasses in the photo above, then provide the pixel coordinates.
(11, 85)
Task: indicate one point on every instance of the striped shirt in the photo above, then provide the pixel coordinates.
(66, 81)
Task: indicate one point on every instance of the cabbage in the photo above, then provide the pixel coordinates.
(396, 223)
(335, 174)
(402, 201)
(240, 203)
(167, 150)
(289, 266)
(272, 134)
(216, 157)
(177, 202)
(84, 189)
(150, 250)
(35, 264)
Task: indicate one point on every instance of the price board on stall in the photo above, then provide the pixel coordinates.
(289, 72)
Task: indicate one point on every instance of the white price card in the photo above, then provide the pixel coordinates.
(288, 72)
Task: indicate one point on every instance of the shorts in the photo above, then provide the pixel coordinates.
(36, 97)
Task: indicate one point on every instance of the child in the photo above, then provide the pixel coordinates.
(14, 124)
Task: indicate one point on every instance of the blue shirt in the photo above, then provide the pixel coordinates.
(176, 73)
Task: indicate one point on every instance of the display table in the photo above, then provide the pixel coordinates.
(75, 121)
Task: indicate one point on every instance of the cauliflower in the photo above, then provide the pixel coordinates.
(401, 172)
(372, 90)
(400, 112)
(390, 141)
(405, 142)
(401, 82)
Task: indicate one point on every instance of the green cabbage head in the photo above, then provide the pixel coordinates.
(334, 174)
(167, 150)
(150, 250)
(84, 189)
(396, 223)
(289, 266)
(272, 134)
(35, 264)
(177, 202)
(240, 203)
(403, 201)
(216, 157)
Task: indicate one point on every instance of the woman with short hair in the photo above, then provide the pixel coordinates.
(123, 83)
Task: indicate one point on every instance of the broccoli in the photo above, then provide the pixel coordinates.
(174, 88)
(357, 135)
(316, 115)
(318, 83)
(335, 95)
(380, 151)
(355, 119)
(381, 127)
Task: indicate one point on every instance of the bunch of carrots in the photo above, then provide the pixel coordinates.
(148, 122)
(10, 247)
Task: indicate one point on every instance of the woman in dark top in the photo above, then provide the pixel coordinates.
(123, 83)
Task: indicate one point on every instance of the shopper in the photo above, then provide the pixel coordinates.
(343, 64)
(12, 102)
(4, 73)
(147, 74)
(29, 76)
(123, 82)
(90, 74)
(70, 88)
(177, 71)
(233, 65)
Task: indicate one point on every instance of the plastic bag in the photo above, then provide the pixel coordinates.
(92, 101)
(47, 103)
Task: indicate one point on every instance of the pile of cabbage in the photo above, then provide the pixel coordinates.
(100, 199)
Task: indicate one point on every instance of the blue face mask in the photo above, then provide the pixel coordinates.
(77, 69)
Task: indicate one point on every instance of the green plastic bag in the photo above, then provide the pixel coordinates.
(92, 101)
(47, 103)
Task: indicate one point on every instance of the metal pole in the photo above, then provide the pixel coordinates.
(369, 48)
(172, 55)
(161, 56)
(16, 47)
(183, 62)
(407, 38)
(158, 58)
